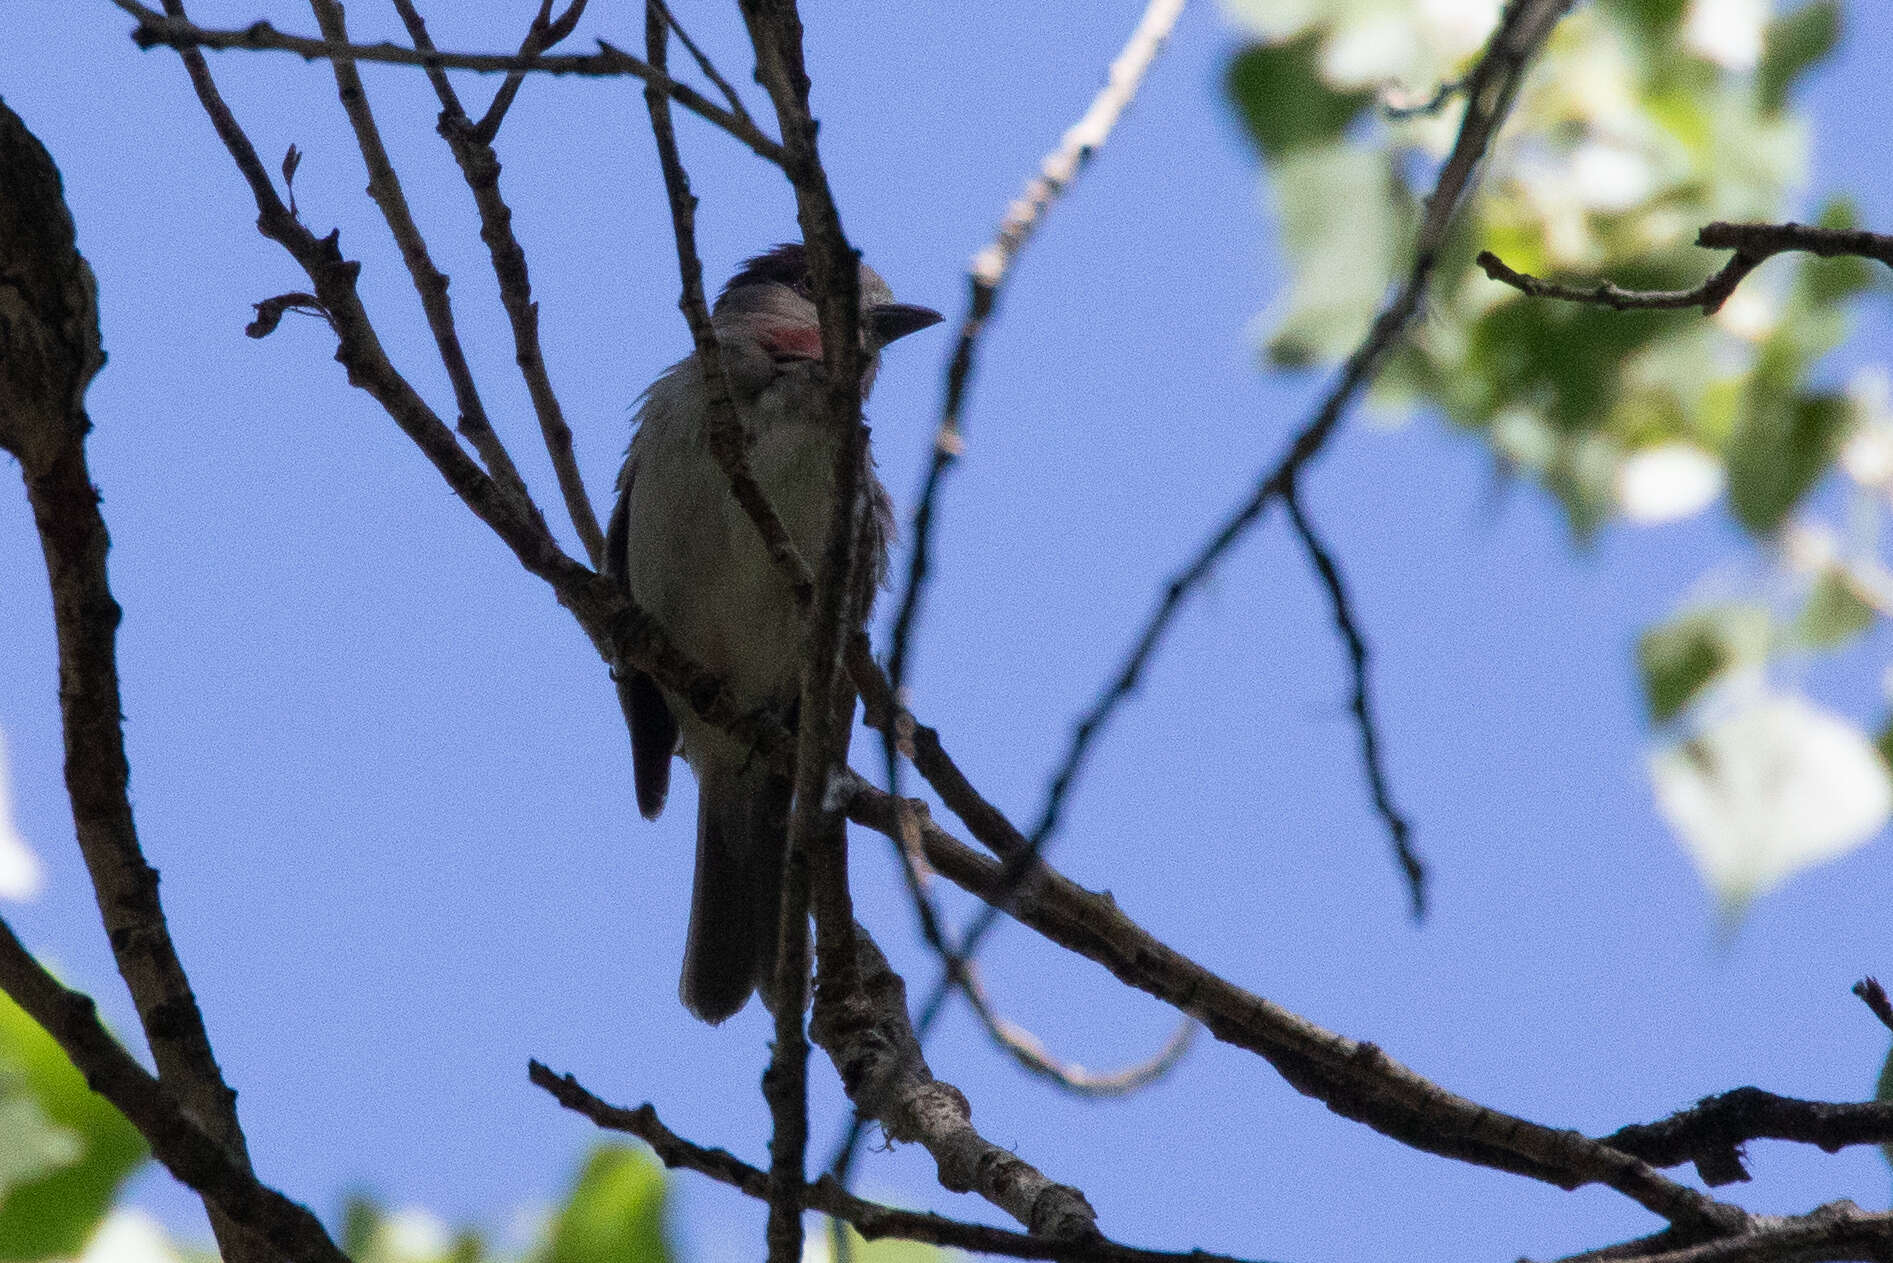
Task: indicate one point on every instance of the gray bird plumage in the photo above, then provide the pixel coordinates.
(687, 553)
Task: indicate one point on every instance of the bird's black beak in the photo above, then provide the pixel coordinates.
(889, 321)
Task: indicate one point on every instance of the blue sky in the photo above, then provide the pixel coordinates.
(389, 790)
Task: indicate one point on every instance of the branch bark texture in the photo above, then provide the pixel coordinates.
(50, 349)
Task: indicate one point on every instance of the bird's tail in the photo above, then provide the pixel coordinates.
(742, 840)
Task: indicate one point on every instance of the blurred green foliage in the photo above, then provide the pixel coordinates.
(1642, 121)
(64, 1151)
(1638, 126)
(615, 1214)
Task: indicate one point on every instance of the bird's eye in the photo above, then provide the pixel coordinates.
(804, 286)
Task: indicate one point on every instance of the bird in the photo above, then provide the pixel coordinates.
(682, 548)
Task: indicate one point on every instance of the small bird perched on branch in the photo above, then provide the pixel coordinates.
(683, 549)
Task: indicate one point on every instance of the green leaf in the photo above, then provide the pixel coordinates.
(1283, 102)
(1834, 614)
(1680, 658)
(1657, 19)
(65, 1149)
(1793, 43)
(1781, 446)
(615, 1213)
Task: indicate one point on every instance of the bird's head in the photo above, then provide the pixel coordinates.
(772, 300)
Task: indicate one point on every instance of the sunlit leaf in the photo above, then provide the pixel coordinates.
(615, 1213)
(1668, 482)
(1343, 262)
(64, 1151)
(1773, 786)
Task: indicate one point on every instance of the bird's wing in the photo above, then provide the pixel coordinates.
(653, 727)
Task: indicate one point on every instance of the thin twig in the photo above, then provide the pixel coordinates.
(544, 33)
(1025, 1047)
(49, 350)
(1492, 85)
(1361, 703)
(1874, 996)
(174, 31)
(1030, 1052)
(704, 63)
(871, 1219)
(987, 275)
(1754, 244)
(727, 441)
(817, 828)
(473, 150)
(278, 1228)
(1710, 295)
(384, 187)
(1429, 106)
(826, 711)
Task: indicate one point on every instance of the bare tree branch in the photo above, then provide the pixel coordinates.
(384, 186)
(1837, 1231)
(1356, 1080)
(868, 1036)
(545, 32)
(1420, 107)
(817, 828)
(1491, 87)
(1711, 1132)
(1754, 244)
(871, 1219)
(987, 275)
(785, 1082)
(725, 431)
(1361, 704)
(704, 64)
(1029, 1051)
(215, 1170)
(172, 29)
(865, 1028)
(49, 351)
(360, 351)
(473, 150)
